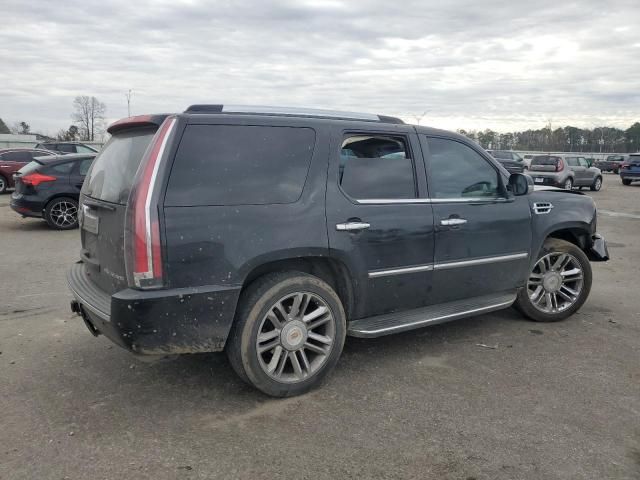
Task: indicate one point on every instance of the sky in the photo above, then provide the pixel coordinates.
(448, 64)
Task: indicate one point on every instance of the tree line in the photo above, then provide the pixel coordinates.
(566, 139)
(88, 118)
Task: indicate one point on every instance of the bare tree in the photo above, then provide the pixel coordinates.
(89, 115)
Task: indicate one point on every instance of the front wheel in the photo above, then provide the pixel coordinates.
(558, 284)
(597, 184)
(288, 333)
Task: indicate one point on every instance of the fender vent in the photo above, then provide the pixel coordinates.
(542, 208)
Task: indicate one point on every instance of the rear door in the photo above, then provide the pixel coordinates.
(482, 234)
(103, 204)
(379, 218)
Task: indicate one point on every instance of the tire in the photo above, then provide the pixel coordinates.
(62, 213)
(562, 295)
(568, 184)
(626, 181)
(4, 184)
(616, 171)
(597, 184)
(292, 361)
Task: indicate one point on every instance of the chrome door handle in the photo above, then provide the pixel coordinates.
(352, 226)
(452, 222)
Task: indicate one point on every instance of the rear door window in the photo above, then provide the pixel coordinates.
(376, 167)
(240, 165)
(111, 176)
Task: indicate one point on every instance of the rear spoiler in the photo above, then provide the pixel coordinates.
(137, 121)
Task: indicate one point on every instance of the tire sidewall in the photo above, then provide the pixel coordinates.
(597, 185)
(568, 181)
(553, 245)
(47, 213)
(253, 318)
(4, 184)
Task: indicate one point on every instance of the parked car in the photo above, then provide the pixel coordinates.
(527, 159)
(12, 160)
(49, 188)
(565, 171)
(67, 147)
(272, 234)
(630, 169)
(512, 161)
(611, 164)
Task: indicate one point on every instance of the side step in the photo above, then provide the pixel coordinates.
(420, 317)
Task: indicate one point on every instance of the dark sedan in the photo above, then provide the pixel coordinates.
(49, 188)
(512, 161)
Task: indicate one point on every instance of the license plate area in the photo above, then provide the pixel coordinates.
(538, 180)
(89, 221)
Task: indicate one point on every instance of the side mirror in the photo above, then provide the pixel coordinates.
(520, 184)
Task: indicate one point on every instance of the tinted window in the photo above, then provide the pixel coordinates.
(240, 165)
(111, 176)
(572, 161)
(23, 156)
(583, 162)
(83, 149)
(502, 155)
(61, 168)
(66, 148)
(458, 171)
(544, 160)
(84, 166)
(376, 167)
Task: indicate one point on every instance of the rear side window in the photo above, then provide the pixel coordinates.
(111, 176)
(240, 165)
(376, 167)
(572, 161)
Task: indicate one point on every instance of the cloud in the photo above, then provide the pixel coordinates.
(468, 64)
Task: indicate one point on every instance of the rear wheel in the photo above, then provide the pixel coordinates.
(3, 184)
(568, 184)
(558, 284)
(62, 213)
(597, 184)
(626, 181)
(288, 333)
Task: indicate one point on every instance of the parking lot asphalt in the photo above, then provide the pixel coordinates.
(490, 397)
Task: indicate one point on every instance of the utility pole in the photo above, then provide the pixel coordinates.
(128, 95)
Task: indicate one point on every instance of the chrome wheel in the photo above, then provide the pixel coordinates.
(295, 337)
(63, 214)
(3, 184)
(598, 184)
(568, 185)
(555, 283)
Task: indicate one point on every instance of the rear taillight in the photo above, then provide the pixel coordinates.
(143, 252)
(34, 179)
(559, 165)
(625, 166)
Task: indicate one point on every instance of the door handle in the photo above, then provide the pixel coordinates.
(453, 222)
(352, 226)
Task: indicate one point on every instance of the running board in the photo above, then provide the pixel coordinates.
(420, 317)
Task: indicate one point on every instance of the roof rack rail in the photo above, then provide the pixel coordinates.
(292, 112)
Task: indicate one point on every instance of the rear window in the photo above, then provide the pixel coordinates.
(240, 165)
(111, 176)
(29, 167)
(544, 160)
(60, 168)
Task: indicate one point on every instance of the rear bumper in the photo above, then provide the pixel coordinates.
(548, 180)
(629, 175)
(25, 206)
(158, 322)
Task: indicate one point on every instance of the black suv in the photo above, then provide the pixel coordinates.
(272, 234)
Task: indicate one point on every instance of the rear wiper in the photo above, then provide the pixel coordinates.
(97, 204)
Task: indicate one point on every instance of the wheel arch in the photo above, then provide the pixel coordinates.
(329, 269)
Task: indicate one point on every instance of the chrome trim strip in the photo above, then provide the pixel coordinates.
(397, 271)
(480, 261)
(389, 201)
(441, 318)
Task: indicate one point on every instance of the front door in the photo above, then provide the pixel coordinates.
(379, 219)
(483, 234)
